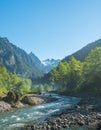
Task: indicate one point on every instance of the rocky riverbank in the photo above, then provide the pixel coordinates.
(13, 102)
(86, 114)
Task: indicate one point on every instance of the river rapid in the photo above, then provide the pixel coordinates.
(15, 120)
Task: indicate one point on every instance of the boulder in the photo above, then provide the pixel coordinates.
(31, 100)
(4, 106)
(28, 100)
(19, 105)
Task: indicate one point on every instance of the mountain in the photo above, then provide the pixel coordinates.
(49, 64)
(45, 65)
(17, 60)
(82, 53)
(37, 61)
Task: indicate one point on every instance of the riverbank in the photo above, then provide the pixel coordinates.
(87, 113)
(27, 101)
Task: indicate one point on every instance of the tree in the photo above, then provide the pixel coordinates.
(9, 81)
(47, 88)
(63, 70)
(67, 75)
(53, 78)
(75, 74)
(92, 70)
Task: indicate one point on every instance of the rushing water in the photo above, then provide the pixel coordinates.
(13, 120)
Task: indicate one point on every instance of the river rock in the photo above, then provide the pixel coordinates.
(31, 100)
(27, 100)
(82, 116)
(81, 123)
(19, 105)
(4, 106)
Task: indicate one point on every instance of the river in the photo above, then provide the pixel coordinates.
(16, 119)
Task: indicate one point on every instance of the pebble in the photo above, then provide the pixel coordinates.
(82, 115)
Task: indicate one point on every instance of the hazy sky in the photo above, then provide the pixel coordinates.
(50, 28)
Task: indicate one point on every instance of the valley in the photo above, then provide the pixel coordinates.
(50, 64)
(24, 81)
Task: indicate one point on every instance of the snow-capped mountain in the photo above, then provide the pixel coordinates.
(45, 65)
(49, 64)
(52, 62)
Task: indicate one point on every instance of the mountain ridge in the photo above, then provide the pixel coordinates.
(49, 64)
(45, 65)
(83, 52)
(16, 60)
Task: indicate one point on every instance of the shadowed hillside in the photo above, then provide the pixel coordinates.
(17, 60)
(83, 53)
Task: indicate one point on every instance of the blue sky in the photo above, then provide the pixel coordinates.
(50, 28)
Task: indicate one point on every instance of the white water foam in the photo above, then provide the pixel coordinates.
(18, 119)
(52, 111)
(16, 125)
(13, 116)
(38, 107)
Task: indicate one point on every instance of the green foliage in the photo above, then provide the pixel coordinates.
(92, 71)
(47, 88)
(75, 76)
(67, 73)
(41, 88)
(10, 81)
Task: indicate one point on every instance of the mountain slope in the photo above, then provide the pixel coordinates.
(17, 60)
(82, 54)
(45, 65)
(36, 61)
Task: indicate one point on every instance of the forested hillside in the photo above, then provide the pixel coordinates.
(74, 76)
